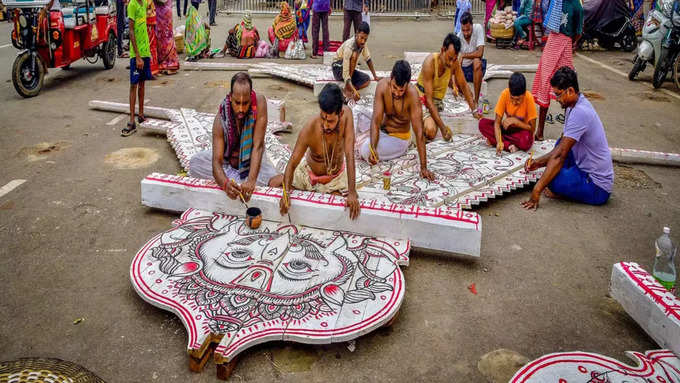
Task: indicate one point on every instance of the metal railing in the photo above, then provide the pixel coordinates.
(378, 7)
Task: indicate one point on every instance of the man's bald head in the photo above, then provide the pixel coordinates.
(241, 83)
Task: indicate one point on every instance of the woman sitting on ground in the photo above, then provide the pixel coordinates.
(284, 29)
(242, 39)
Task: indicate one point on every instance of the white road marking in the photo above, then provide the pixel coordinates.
(5, 46)
(11, 185)
(116, 119)
(605, 66)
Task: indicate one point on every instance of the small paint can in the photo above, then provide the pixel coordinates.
(253, 217)
(387, 180)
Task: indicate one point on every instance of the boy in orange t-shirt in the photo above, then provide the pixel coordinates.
(515, 121)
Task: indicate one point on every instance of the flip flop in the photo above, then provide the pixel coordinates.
(549, 119)
(560, 118)
(130, 129)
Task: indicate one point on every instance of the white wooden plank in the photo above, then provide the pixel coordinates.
(654, 308)
(445, 229)
(149, 111)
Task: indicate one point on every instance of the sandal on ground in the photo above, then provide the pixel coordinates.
(130, 129)
(549, 119)
(560, 118)
(141, 119)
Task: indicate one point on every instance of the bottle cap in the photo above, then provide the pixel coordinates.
(666, 230)
(387, 173)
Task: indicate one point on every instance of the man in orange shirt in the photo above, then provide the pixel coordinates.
(515, 121)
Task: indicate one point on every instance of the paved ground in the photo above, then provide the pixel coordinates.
(70, 232)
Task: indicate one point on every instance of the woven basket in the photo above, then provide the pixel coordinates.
(179, 43)
(499, 31)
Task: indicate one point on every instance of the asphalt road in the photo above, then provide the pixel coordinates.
(70, 231)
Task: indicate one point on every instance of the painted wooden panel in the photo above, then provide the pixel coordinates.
(659, 366)
(280, 282)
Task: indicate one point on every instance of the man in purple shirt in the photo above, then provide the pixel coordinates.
(580, 167)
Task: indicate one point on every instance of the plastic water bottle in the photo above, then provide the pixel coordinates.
(664, 268)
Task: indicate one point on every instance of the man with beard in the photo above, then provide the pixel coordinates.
(580, 167)
(396, 109)
(440, 71)
(238, 154)
(345, 63)
(323, 157)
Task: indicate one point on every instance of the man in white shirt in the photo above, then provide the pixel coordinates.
(472, 52)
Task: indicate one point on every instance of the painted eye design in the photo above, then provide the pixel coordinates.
(235, 258)
(296, 270)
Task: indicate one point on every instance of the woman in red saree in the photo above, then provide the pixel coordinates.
(151, 31)
(168, 61)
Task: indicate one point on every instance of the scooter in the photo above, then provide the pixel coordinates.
(656, 28)
(670, 48)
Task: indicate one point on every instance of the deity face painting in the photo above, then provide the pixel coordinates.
(236, 275)
(241, 287)
(273, 263)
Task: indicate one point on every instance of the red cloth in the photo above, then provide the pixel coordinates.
(521, 138)
(332, 47)
(556, 54)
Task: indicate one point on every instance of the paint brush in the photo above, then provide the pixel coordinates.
(286, 201)
(240, 195)
(375, 157)
(531, 158)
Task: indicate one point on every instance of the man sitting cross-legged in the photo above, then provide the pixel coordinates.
(238, 153)
(580, 167)
(515, 121)
(323, 157)
(440, 71)
(396, 109)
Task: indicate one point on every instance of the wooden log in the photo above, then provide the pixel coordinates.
(444, 229)
(149, 111)
(634, 156)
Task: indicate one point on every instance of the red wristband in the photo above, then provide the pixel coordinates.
(224, 188)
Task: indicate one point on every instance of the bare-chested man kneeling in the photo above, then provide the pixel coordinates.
(396, 109)
(328, 165)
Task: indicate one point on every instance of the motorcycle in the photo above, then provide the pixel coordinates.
(656, 27)
(610, 23)
(670, 47)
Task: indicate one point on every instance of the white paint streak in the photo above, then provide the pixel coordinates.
(116, 120)
(11, 185)
(609, 68)
(5, 46)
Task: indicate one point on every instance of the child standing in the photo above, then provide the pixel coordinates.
(140, 61)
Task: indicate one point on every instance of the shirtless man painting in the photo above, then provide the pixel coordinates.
(440, 71)
(323, 157)
(396, 109)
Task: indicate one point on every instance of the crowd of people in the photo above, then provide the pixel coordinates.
(323, 160)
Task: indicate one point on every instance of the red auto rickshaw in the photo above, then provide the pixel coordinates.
(56, 38)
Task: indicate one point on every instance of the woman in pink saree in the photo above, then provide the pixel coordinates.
(168, 61)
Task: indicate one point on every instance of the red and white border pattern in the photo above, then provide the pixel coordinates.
(658, 366)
